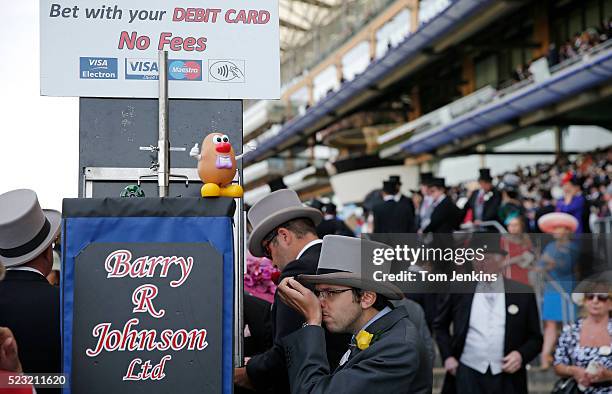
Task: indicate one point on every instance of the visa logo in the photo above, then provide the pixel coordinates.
(144, 66)
(98, 68)
(141, 69)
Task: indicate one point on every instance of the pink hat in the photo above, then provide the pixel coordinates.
(550, 221)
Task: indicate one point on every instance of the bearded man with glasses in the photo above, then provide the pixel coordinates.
(386, 353)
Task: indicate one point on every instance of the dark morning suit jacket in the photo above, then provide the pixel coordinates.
(30, 307)
(417, 317)
(269, 369)
(394, 217)
(444, 218)
(490, 209)
(258, 316)
(522, 331)
(397, 362)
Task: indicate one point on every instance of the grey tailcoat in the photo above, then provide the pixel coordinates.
(417, 317)
(396, 362)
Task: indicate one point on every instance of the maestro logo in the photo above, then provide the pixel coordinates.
(185, 70)
(141, 69)
(98, 68)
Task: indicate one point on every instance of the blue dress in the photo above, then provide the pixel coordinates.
(565, 258)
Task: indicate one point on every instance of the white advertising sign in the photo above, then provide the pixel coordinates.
(221, 49)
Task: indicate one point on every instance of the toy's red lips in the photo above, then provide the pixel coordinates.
(223, 147)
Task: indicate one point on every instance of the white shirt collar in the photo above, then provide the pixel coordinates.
(308, 245)
(25, 269)
(439, 200)
(395, 197)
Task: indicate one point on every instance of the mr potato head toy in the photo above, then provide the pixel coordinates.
(217, 166)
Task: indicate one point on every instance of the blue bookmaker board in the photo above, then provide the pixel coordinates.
(147, 295)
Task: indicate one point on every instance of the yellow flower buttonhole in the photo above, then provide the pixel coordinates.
(363, 339)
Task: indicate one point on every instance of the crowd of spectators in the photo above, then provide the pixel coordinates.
(535, 190)
(579, 44)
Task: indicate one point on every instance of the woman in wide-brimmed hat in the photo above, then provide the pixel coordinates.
(584, 351)
(558, 261)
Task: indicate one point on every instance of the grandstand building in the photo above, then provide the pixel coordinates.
(378, 87)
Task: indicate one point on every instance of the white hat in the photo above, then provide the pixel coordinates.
(26, 230)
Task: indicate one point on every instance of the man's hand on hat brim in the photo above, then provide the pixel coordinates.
(301, 299)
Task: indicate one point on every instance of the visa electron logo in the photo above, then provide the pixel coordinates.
(185, 70)
(141, 69)
(98, 68)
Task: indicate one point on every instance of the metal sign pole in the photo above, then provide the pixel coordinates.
(163, 173)
(239, 282)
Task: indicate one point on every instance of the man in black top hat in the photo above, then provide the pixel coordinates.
(485, 201)
(331, 225)
(396, 213)
(445, 214)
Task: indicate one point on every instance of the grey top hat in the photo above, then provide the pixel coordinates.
(273, 210)
(341, 261)
(26, 230)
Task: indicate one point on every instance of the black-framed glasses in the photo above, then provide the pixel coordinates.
(324, 294)
(265, 243)
(603, 297)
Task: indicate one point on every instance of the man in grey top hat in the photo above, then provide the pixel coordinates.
(27, 301)
(386, 354)
(284, 231)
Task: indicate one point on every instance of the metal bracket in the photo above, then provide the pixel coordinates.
(98, 174)
(152, 148)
